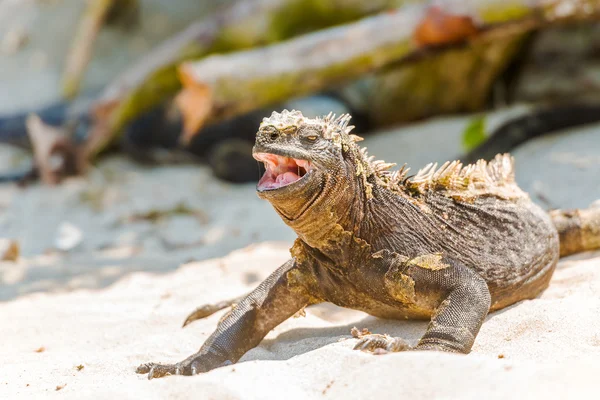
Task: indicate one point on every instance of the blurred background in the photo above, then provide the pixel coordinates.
(126, 126)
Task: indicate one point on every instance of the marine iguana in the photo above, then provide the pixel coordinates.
(449, 244)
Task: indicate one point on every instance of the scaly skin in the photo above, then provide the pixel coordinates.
(448, 245)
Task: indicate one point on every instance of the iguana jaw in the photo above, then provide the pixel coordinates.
(281, 171)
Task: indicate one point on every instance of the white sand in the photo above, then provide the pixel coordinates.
(92, 306)
(550, 346)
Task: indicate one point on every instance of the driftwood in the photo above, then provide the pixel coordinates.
(458, 80)
(225, 85)
(55, 154)
(245, 24)
(96, 14)
(492, 71)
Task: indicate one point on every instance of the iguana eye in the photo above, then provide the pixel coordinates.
(311, 138)
(271, 131)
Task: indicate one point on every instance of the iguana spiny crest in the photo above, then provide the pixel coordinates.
(295, 145)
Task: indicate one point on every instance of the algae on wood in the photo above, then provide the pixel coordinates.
(458, 80)
(224, 85)
(261, 22)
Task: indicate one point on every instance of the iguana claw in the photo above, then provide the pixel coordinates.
(380, 344)
(159, 370)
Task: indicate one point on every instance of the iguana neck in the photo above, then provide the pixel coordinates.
(334, 204)
(353, 210)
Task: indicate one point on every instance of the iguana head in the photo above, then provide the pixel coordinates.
(312, 162)
(299, 152)
(316, 175)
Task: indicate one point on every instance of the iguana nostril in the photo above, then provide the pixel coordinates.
(274, 136)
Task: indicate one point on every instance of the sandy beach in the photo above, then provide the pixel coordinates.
(142, 247)
(87, 343)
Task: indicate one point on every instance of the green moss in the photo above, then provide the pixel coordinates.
(303, 16)
(509, 10)
(458, 80)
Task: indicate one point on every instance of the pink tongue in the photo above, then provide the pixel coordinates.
(287, 178)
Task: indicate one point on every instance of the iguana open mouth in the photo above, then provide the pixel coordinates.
(281, 171)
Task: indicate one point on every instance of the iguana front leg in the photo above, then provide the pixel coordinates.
(271, 303)
(463, 302)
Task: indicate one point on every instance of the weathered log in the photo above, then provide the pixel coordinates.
(55, 154)
(454, 81)
(224, 85)
(246, 24)
(83, 44)
(96, 14)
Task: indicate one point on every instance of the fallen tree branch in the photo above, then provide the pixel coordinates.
(222, 86)
(83, 44)
(55, 154)
(96, 14)
(246, 24)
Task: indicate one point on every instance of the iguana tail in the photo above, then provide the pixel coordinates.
(578, 230)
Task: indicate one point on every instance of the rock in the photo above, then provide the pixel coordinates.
(562, 63)
(561, 170)
(232, 160)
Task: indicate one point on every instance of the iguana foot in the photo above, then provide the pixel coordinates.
(185, 367)
(159, 370)
(378, 344)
